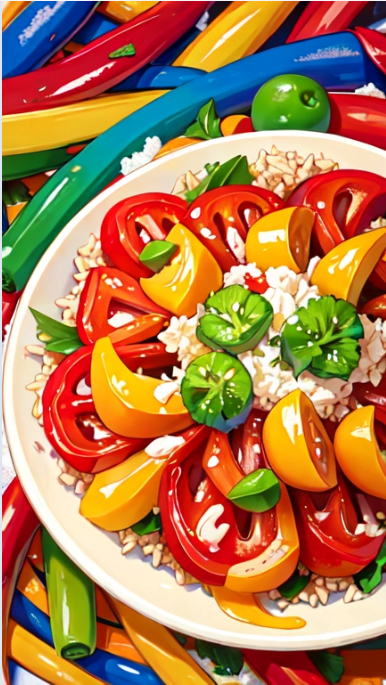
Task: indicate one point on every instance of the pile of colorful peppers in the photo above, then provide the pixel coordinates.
(60, 627)
(159, 85)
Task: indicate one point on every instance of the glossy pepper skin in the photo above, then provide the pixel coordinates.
(324, 17)
(24, 52)
(130, 224)
(232, 87)
(330, 547)
(8, 306)
(375, 307)
(344, 202)
(359, 117)
(367, 393)
(97, 67)
(221, 217)
(71, 422)
(19, 525)
(284, 668)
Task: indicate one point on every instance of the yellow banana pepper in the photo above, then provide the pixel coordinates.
(123, 10)
(248, 609)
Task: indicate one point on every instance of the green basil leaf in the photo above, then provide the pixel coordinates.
(156, 254)
(233, 172)
(236, 320)
(228, 659)
(207, 125)
(331, 666)
(193, 194)
(149, 524)
(217, 391)
(323, 338)
(56, 336)
(125, 51)
(258, 491)
(371, 576)
(15, 192)
(293, 586)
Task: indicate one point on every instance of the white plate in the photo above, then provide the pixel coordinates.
(132, 580)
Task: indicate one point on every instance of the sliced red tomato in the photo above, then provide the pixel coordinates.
(367, 393)
(108, 291)
(221, 218)
(330, 542)
(71, 423)
(132, 223)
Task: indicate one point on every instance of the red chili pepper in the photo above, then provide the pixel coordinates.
(374, 44)
(345, 201)
(359, 117)
(9, 302)
(106, 292)
(19, 524)
(103, 63)
(131, 224)
(375, 307)
(217, 218)
(186, 495)
(326, 523)
(324, 17)
(283, 668)
(367, 393)
(71, 423)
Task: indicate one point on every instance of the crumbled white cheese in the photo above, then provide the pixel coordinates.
(150, 149)
(161, 447)
(181, 337)
(165, 391)
(371, 90)
(207, 529)
(236, 276)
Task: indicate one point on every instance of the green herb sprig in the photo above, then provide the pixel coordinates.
(56, 336)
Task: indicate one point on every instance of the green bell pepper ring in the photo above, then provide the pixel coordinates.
(71, 599)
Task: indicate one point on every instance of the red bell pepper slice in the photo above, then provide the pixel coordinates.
(70, 421)
(188, 496)
(283, 668)
(8, 306)
(247, 442)
(217, 217)
(326, 524)
(103, 63)
(345, 202)
(107, 291)
(19, 524)
(324, 17)
(132, 223)
(367, 393)
(375, 307)
(359, 117)
(257, 284)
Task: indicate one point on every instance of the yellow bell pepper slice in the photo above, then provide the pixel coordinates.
(126, 402)
(192, 275)
(281, 239)
(68, 125)
(235, 33)
(123, 10)
(358, 453)
(10, 11)
(159, 648)
(176, 144)
(297, 445)
(278, 561)
(123, 495)
(345, 269)
(248, 609)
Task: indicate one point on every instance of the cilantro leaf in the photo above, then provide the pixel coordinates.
(233, 172)
(227, 660)
(293, 586)
(124, 51)
(56, 335)
(323, 338)
(371, 576)
(331, 666)
(207, 125)
(149, 524)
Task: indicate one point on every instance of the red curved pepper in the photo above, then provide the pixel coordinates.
(345, 201)
(132, 223)
(324, 17)
(284, 668)
(9, 302)
(375, 307)
(231, 207)
(367, 393)
(328, 544)
(359, 117)
(100, 66)
(374, 44)
(186, 494)
(19, 524)
(107, 291)
(70, 421)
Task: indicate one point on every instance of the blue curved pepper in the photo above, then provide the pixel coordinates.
(39, 32)
(96, 26)
(108, 667)
(158, 78)
(337, 61)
